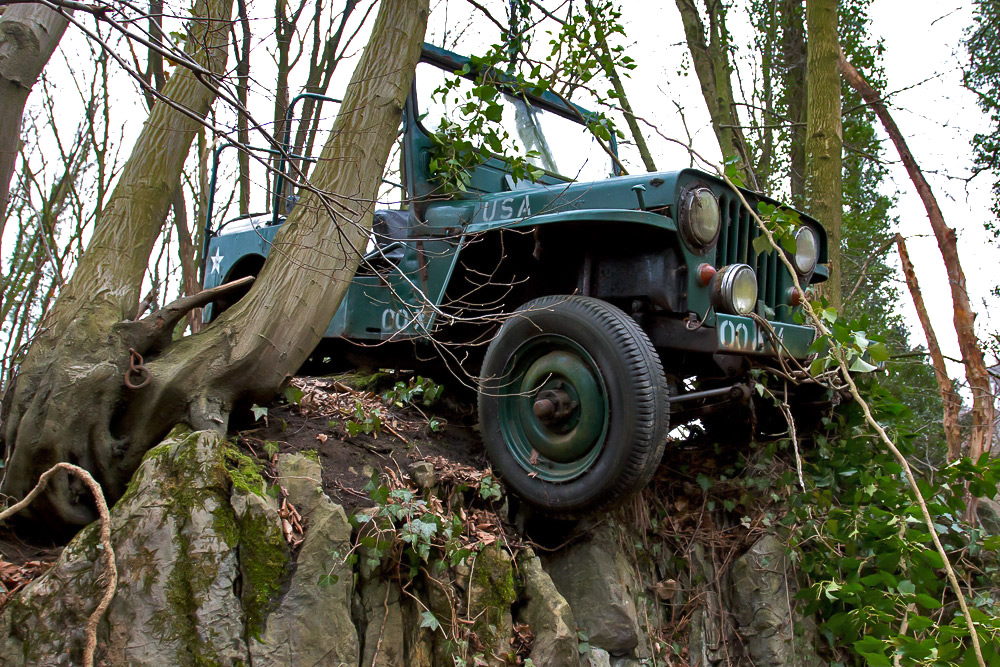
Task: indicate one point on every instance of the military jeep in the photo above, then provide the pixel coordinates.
(594, 312)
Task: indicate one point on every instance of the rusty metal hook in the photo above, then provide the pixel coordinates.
(136, 369)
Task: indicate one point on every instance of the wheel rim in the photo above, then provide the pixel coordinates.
(553, 408)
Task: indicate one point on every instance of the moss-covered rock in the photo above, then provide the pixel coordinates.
(548, 614)
(311, 623)
(173, 534)
(264, 557)
(493, 591)
(762, 588)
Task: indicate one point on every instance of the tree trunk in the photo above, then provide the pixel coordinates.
(242, 90)
(793, 53)
(711, 63)
(950, 399)
(29, 34)
(255, 346)
(609, 69)
(78, 351)
(824, 138)
(964, 318)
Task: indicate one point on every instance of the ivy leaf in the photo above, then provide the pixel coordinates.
(859, 365)
(878, 352)
(761, 244)
(259, 413)
(927, 602)
(429, 620)
(933, 559)
(293, 394)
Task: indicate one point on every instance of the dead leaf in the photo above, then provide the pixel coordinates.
(322, 437)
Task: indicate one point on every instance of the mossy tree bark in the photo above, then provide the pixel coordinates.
(824, 134)
(69, 402)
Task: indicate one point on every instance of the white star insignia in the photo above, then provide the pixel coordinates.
(216, 262)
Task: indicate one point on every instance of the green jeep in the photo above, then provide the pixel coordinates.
(594, 312)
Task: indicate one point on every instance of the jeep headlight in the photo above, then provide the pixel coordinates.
(700, 217)
(806, 250)
(734, 289)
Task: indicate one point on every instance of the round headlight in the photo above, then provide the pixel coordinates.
(700, 216)
(806, 250)
(734, 289)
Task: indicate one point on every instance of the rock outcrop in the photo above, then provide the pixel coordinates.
(207, 578)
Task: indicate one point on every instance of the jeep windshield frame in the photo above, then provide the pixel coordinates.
(543, 121)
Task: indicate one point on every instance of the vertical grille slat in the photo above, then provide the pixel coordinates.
(724, 232)
(744, 236)
(735, 245)
(772, 295)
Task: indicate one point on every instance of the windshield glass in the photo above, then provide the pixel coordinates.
(560, 145)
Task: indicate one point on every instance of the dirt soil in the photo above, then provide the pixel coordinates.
(319, 424)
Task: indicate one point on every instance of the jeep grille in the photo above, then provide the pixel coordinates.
(736, 246)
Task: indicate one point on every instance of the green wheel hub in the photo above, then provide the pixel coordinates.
(553, 408)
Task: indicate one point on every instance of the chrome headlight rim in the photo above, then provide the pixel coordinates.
(697, 243)
(723, 287)
(814, 262)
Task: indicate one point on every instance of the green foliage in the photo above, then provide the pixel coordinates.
(404, 393)
(418, 390)
(429, 620)
(573, 64)
(365, 421)
(489, 488)
(293, 395)
(259, 412)
(863, 545)
(408, 533)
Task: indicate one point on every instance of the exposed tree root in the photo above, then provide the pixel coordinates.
(107, 552)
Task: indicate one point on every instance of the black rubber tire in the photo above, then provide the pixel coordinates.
(635, 389)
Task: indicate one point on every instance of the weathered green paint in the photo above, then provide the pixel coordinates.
(561, 451)
(403, 302)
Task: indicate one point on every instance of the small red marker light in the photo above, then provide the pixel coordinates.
(794, 297)
(705, 274)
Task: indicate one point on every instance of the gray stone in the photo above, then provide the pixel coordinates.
(595, 582)
(312, 623)
(174, 537)
(548, 614)
(598, 657)
(762, 589)
(418, 642)
(302, 478)
(384, 636)
(422, 474)
(706, 646)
